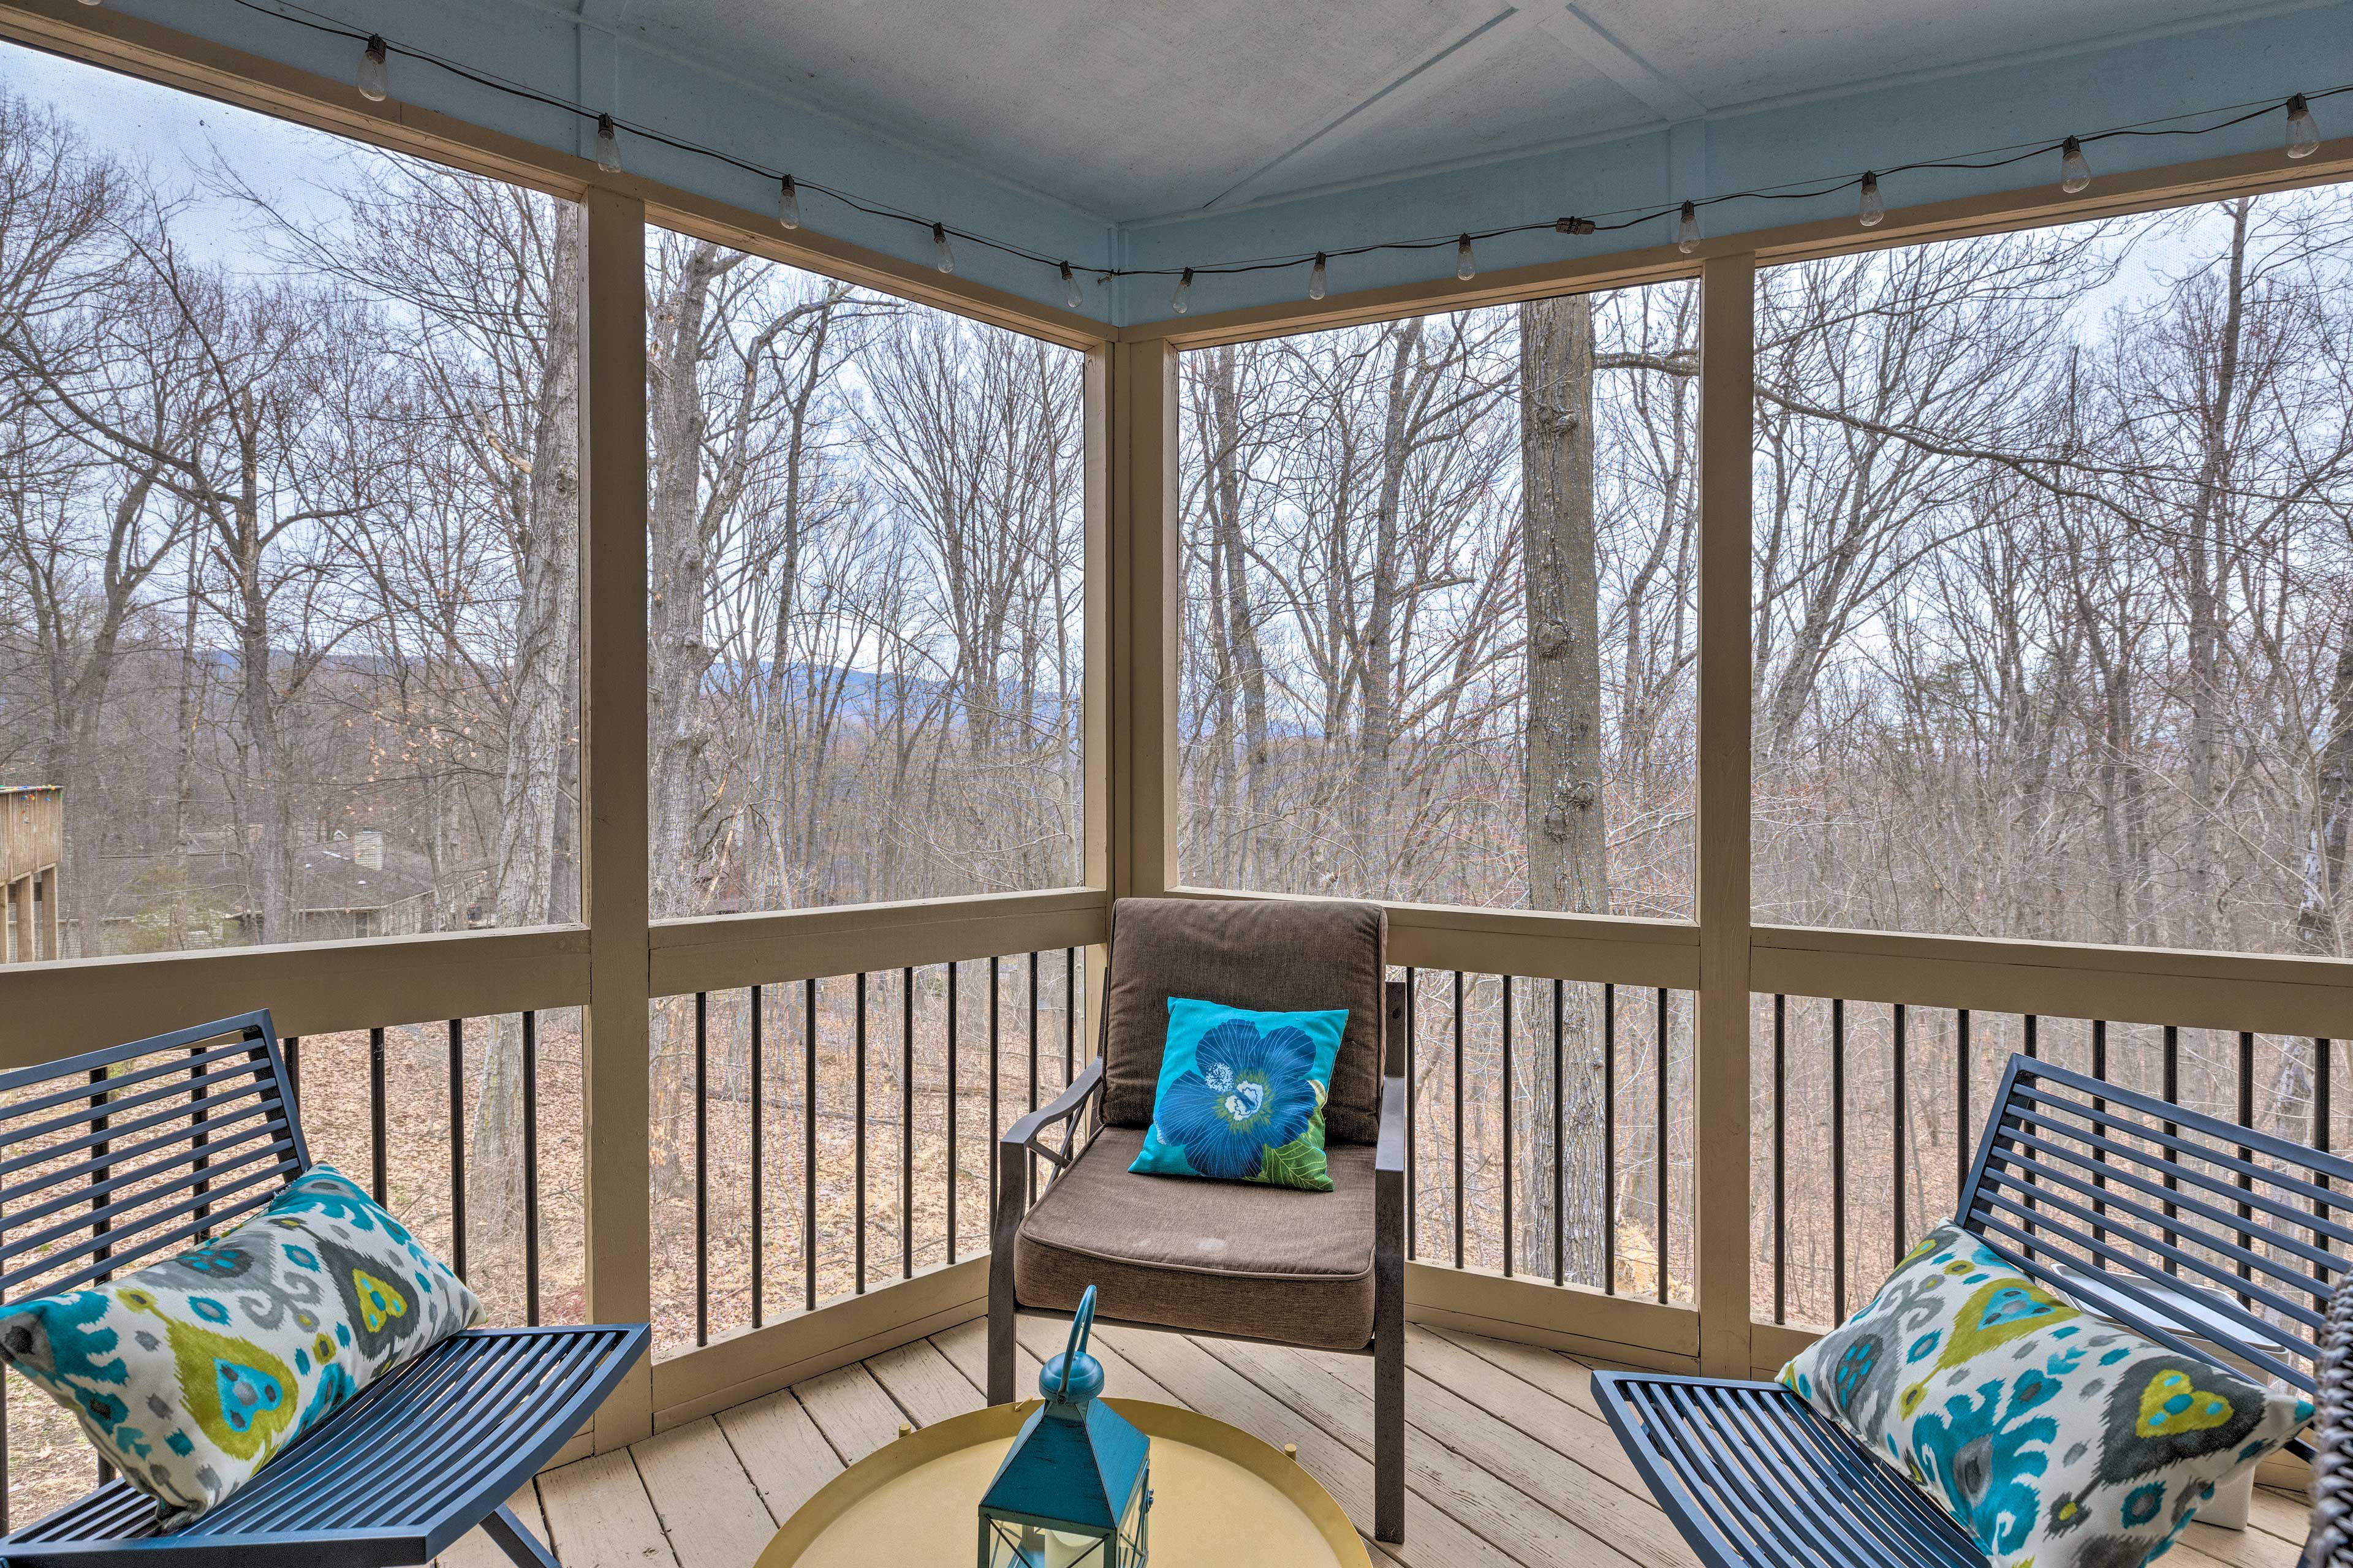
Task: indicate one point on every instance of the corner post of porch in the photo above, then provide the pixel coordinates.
(1144, 612)
(614, 894)
(1720, 1040)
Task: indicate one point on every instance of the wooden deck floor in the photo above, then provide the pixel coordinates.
(1508, 1462)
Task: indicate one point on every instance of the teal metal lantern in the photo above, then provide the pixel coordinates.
(1075, 1490)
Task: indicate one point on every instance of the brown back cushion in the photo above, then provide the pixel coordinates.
(1268, 955)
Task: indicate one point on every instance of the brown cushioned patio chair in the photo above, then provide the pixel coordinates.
(1313, 1270)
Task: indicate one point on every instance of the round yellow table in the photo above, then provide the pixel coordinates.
(1219, 1496)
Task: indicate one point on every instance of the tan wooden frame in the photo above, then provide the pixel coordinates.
(618, 959)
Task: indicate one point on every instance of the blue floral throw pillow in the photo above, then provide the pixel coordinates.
(2055, 1438)
(1241, 1095)
(191, 1372)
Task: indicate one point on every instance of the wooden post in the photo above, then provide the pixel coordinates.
(1720, 1030)
(1144, 609)
(614, 896)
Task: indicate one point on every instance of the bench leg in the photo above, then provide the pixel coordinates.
(517, 1542)
(1388, 1427)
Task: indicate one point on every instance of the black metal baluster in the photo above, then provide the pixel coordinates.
(200, 1114)
(2172, 1097)
(531, 1168)
(1507, 1125)
(375, 1112)
(858, 1145)
(758, 1069)
(1781, 1158)
(2321, 1052)
(1031, 1192)
(458, 1142)
(1556, 1178)
(1837, 1159)
(1070, 1015)
(1610, 1138)
(1458, 1119)
(2246, 1118)
(996, 1114)
(1661, 1200)
(952, 1112)
(1896, 1230)
(907, 1124)
(293, 1075)
(1412, 1112)
(1963, 1136)
(2099, 1109)
(701, 1168)
(809, 1139)
(2029, 1025)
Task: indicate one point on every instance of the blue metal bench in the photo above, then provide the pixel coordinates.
(119, 1157)
(2193, 1228)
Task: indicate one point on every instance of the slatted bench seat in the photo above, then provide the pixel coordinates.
(2205, 1236)
(119, 1157)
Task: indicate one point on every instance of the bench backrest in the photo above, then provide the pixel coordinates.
(2075, 1175)
(113, 1158)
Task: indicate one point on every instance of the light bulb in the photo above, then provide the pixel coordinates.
(608, 145)
(1873, 209)
(375, 84)
(1316, 278)
(788, 203)
(942, 256)
(1182, 301)
(1071, 295)
(1687, 230)
(2074, 172)
(2303, 135)
(1464, 268)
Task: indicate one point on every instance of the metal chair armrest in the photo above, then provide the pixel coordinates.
(1388, 1153)
(1065, 1107)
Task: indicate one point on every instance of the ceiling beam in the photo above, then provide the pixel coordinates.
(1591, 43)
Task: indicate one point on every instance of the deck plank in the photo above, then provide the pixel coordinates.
(923, 1382)
(854, 1412)
(1434, 1538)
(1445, 1447)
(707, 1504)
(777, 1443)
(1537, 1414)
(598, 1515)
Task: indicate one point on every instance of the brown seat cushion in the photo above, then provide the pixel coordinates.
(1269, 955)
(1223, 1257)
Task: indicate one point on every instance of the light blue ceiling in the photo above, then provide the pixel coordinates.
(1199, 132)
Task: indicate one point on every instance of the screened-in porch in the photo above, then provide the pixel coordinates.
(647, 577)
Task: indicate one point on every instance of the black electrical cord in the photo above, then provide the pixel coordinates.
(1623, 217)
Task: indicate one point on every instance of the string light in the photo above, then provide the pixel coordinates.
(1872, 210)
(1182, 301)
(375, 82)
(2074, 169)
(788, 203)
(2302, 135)
(1071, 295)
(2303, 139)
(1464, 268)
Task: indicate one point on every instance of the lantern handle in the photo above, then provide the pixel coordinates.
(1083, 1323)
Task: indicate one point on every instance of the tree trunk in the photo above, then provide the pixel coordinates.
(1566, 826)
(2203, 589)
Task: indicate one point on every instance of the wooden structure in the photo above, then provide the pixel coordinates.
(32, 846)
(618, 960)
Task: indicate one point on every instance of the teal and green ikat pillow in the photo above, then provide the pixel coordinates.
(1241, 1095)
(2053, 1437)
(191, 1372)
